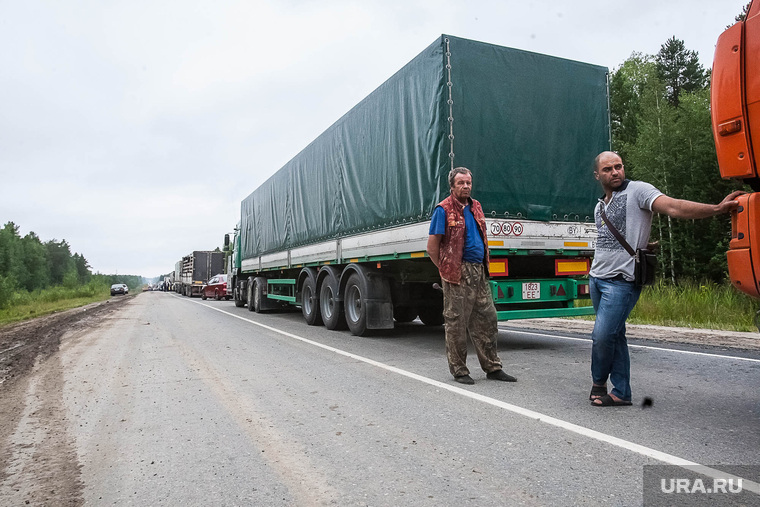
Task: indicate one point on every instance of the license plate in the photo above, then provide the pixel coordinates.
(531, 290)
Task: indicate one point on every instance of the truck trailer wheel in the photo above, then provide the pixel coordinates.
(258, 294)
(355, 305)
(236, 296)
(249, 294)
(310, 301)
(330, 304)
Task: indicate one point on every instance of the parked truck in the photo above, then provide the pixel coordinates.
(195, 269)
(735, 109)
(168, 282)
(341, 230)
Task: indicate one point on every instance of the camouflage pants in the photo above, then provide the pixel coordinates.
(468, 309)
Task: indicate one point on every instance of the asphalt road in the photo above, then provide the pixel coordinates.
(177, 401)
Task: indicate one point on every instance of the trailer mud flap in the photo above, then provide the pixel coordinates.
(367, 299)
(378, 302)
(379, 314)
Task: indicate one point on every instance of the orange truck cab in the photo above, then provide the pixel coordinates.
(735, 109)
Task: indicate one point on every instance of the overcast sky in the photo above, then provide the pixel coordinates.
(133, 129)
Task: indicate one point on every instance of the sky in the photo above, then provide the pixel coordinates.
(134, 129)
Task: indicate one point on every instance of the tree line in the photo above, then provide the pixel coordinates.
(27, 263)
(661, 127)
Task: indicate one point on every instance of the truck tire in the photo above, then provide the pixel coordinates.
(355, 305)
(431, 315)
(258, 294)
(249, 294)
(236, 296)
(330, 305)
(310, 301)
(404, 313)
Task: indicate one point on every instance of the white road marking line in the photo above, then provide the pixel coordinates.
(669, 459)
(649, 347)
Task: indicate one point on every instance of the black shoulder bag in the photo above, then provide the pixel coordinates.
(646, 260)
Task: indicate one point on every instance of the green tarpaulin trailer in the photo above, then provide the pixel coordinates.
(358, 199)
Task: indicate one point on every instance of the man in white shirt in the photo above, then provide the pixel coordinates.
(629, 206)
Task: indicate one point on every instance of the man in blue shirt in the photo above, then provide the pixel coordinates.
(457, 246)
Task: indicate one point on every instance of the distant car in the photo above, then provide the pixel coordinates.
(119, 288)
(215, 288)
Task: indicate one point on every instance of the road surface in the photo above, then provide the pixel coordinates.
(172, 401)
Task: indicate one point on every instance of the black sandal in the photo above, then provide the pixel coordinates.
(609, 401)
(597, 392)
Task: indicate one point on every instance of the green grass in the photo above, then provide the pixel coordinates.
(690, 304)
(25, 305)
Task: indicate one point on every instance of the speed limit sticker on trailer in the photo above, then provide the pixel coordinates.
(531, 290)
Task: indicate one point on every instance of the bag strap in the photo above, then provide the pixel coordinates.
(616, 233)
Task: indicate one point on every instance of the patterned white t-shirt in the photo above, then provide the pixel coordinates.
(630, 211)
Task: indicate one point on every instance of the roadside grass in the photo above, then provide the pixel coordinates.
(696, 305)
(25, 305)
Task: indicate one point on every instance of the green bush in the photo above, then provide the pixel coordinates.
(7, 289)
(71, 279)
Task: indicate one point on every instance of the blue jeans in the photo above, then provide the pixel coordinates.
(613, 301)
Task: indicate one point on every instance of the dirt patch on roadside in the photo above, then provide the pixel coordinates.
(38, 460)
(23, 343)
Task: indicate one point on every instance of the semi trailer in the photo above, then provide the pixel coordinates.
(195, 269)
(341, 230)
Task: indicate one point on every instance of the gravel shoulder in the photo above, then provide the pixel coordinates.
(38, 460)
(657, 334)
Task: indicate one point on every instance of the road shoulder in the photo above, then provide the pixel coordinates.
(692, 336)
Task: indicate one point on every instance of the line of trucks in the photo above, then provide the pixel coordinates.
(192, 271)
(341, 230)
